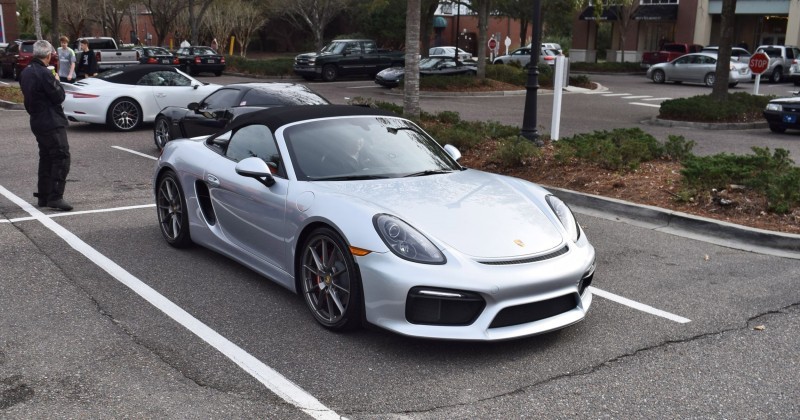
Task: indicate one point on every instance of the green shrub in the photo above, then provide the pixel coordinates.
(739, 107)
(458, 136)
(773, 175)
(619, 149)
(271, 67)
(507, 74)
(678, 148)
(449, 82)
(615, 67)
(515, 151)
(448, 117)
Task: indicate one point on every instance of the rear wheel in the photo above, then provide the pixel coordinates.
(124, 114)
(329, 281)
(173, 217)
(329, 73)
(659, 76)
(161, 132)
(218, 73)
(776, 128)
(710, 79)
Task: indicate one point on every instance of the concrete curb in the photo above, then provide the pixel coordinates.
(705, 126)
(11, 105)
(682, 224)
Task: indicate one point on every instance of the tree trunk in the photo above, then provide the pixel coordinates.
(483, 24)
(728, 18)
(411, 78)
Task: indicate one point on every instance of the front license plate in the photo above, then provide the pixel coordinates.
(788, 118)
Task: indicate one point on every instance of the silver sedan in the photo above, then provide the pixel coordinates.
(367, 218)
(697, 68)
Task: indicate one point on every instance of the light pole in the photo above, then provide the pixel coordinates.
(532, 86)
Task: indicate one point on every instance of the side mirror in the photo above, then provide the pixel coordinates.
(452, 151)
(193, 106)
(254, 167)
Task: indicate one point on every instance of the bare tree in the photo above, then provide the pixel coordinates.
(720, 89)
(163, 13)
(115, 12)
(411, 78)
(218, 22)
(248, 19)
(314, 15)
(482, 7)
(623, 10)
(75, 16)
(427, 11)
(196, 14)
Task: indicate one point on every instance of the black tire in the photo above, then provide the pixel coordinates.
(161, 134)
(124, 114)
(797, 82)
(173, 217)
(498, 62)
(193, 71)
(777, 75)
(329, 281)
(777, 128)
(329, 73)
(308, 77)
(732, 84)
(710, 79)
(3, 73)
(658, 76)
(218, 73)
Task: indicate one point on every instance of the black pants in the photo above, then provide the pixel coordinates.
(53, 163)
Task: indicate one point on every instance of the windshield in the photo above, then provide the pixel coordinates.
(333, 47)
(367, 147)
(429, 63)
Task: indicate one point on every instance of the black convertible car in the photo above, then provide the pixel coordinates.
(434, 65)
(217, 110)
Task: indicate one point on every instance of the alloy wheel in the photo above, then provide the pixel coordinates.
(326, 280)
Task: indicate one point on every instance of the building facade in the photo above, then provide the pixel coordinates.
(8, 21)
(649, 23)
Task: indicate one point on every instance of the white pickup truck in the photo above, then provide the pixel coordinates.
(108, 55)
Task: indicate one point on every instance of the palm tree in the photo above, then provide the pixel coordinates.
(411, 78)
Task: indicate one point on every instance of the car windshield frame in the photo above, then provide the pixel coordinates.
(387, 148)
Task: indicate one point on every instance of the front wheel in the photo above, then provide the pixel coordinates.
(329, 73)
(173, 217)
(161, 132)
(732, 84)
(710, 79)
(777, 128)
(329, 281)
(776, 76)
(659, 76)
(124, 114)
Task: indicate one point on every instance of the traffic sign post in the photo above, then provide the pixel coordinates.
(492, 44)
(759, 62)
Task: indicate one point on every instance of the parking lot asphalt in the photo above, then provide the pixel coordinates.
(680, 326)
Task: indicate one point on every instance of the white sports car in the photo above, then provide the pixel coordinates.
(124, 98)
(369, 219)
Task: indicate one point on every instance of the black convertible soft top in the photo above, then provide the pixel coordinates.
(277, 117)
(130, 75)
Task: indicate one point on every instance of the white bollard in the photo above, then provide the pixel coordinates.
(756, 84)
(558, 92)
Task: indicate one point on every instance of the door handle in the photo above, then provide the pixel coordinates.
(212, 180)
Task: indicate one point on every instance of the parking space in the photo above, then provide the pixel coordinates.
(238, 335)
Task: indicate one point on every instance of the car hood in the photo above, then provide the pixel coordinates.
(313, 54)
(481, 215)
(794, 100)
(392, 72)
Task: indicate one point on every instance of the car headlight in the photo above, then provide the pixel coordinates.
(405, 241)
(565, 215)
(312, 61)
(774, 107)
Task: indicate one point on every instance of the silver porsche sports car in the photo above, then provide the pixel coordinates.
(370, 220)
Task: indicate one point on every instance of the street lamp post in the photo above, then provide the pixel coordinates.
(532, 86)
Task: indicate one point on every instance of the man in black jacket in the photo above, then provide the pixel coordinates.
(43, 97)
(87, 65)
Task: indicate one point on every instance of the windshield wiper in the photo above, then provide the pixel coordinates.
(429, 172)
(348, 178)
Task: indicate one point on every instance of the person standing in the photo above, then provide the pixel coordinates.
(87, 66)
(66, 62)
(43, 96)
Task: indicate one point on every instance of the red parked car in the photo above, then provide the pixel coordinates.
(17, 56)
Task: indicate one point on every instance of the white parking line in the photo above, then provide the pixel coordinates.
(76, 213)
(365, 87)
(274, 381)
(616, 94)
(657, 99)
(135, 152)
(640, 306)
(650, 105)
(637, 97)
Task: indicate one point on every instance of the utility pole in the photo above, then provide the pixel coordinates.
(532, 86)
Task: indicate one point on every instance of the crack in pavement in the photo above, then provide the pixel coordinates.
(592, 369)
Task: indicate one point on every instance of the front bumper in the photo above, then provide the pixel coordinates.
(307, 71)
(518, 300)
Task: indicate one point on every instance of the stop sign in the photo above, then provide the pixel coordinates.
(758, 63)
(492, 44)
